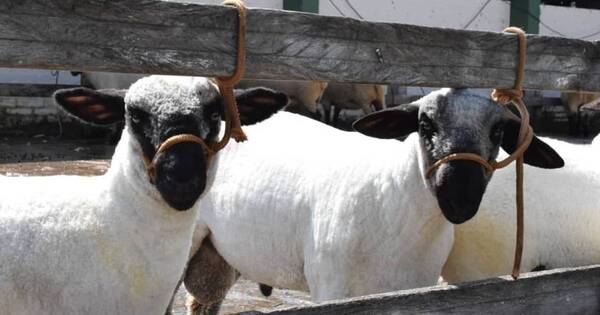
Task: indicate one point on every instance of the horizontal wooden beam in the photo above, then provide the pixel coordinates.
(559, 291)
(30, 90)
(144, 36)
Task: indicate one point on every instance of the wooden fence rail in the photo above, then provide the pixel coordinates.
(144, 36)
(559, 291)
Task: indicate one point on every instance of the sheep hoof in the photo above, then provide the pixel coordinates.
(266, 290)
(195, 308)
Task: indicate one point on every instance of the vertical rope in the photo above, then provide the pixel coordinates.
(515, 96)
(233, 128)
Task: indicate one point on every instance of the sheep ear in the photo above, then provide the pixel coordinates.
(102, 107)
(391, 123)
(258, 104)
(538, 154)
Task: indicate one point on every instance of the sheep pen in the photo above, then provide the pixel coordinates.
(295, 46)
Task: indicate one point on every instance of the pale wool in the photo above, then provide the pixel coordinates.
(562, 219)
(324, 222)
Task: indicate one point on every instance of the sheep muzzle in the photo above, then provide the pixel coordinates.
(151, 164)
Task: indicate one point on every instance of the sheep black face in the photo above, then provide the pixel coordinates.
(454, 121)
(157, 108)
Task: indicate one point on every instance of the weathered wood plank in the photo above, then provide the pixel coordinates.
(145, 36)
(33, 90)
(559, 291)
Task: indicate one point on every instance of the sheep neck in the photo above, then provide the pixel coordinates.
(415, 199)
(154, 237)
(129, 186)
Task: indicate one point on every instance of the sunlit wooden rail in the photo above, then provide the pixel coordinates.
(143, 36)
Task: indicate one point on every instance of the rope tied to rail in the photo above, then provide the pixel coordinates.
(233, 128)
(506, 97)
(515, 97)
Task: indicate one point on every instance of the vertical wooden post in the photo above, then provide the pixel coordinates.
(301, 5)
(526, 15)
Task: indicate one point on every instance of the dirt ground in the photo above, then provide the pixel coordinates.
(45, 157)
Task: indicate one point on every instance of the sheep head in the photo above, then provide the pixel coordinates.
(455, 121)
(157, 108)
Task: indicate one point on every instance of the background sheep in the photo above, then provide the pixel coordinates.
(359, 217)
(351, 96)
(574, 100)
(115, 244)
(562, 220)
(301, 93)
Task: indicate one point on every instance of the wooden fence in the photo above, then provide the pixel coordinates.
(144, 36)
(558, 291)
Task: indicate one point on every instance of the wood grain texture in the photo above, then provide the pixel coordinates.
(559, 291)
(143, 36)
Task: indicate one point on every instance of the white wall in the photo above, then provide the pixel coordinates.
(570, 22)
(271, 4)
(439, 13)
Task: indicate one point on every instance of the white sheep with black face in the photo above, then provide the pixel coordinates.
(562, 219)
(116, 244)
(357, 218)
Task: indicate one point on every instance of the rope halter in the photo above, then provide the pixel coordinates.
(505, 97)
(233, 127)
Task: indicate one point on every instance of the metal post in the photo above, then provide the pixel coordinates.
(301, 5)
(526, 15)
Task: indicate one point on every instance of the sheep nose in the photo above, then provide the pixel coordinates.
(181, 174)
(182, 170)
(460, 191)
(184, 163)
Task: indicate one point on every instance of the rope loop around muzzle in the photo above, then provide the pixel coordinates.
(167, 144)
(505, 97)
(233, 128)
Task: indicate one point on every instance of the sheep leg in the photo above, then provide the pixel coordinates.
(196, 308)
(207, 279)
(169, 310)
(336, 115)
(328, 276)
(326, 113)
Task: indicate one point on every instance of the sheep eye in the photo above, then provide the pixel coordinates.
(496, 133)
(136, 115)
(215, 116)
(426, 126)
